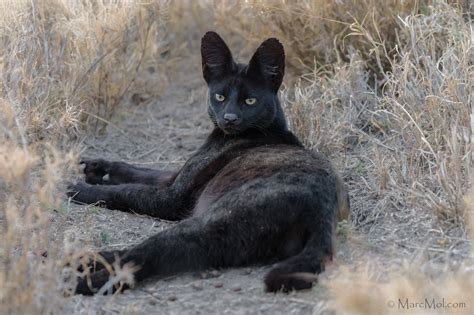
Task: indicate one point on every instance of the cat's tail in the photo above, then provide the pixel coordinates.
(297, 272)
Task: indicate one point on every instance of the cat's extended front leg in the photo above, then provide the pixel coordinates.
(164, 203)
(102, 172)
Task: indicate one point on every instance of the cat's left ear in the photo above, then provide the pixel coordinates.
(268, 63)
(217, 61)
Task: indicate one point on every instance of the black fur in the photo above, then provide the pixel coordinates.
(252, 194)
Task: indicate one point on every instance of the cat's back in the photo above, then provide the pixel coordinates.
(274, 164)
(274, 168)
(275, 158)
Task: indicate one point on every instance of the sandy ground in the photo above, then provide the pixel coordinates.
(162, 133)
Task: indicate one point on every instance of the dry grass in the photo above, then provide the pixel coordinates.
(321, 32)
(364, 291)
(416, 128)
(369, 289)
(405, 145)
(29, 176)
(67, 66)
(65, 63)
(385, 90)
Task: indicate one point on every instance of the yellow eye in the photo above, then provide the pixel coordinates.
(250, 101)
(220, 98)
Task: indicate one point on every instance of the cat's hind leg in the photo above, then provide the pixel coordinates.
(235, 231)
(176, 249)
(98, 261)
(230, 233)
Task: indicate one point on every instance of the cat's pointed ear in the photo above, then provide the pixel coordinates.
(268, 63)
(217, 61)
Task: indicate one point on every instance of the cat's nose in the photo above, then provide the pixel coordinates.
(231, 118)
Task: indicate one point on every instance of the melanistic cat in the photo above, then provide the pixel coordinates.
(252, 194)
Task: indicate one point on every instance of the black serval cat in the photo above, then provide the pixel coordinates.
(252, 194)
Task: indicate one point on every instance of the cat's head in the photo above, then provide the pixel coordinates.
(242, 96)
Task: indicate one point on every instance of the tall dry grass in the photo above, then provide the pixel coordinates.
(323, 33)
(414, 129)
(385, 90)
(68, 65)
(29, 178)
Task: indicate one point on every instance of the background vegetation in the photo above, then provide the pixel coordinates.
(385, 90)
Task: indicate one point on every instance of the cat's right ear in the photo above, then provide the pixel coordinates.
(268, 63)
(217, 61)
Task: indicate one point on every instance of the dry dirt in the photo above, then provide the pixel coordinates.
(162, 133)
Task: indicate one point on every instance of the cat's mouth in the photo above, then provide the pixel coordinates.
(231, 130)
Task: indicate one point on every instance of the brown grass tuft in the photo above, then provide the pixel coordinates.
(409, 290)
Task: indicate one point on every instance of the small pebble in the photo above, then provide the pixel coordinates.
(215, 273)
(172, 298)
(236, 289)
(197, 286)
(218, 285)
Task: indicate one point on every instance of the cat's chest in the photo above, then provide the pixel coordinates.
(206, 162)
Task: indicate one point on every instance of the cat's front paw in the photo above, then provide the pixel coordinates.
(80, 192)
(96, 170)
